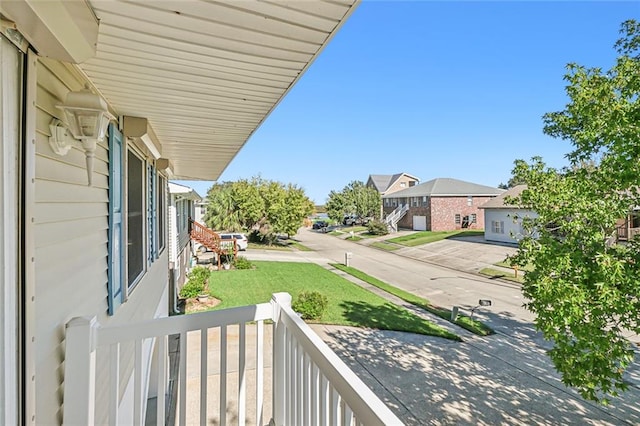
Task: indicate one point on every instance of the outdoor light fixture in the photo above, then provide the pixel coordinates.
(87, 118)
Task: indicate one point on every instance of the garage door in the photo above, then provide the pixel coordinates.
(419, 223)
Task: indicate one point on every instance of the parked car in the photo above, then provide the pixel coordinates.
(241, 240)
(226, 241)
(320, 224)
(352, 220)
(349, 220)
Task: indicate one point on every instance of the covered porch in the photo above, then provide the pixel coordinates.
(258, 364)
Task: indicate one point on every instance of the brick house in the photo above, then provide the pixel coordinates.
(441, 204)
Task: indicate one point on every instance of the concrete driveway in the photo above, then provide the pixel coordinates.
(501, 379)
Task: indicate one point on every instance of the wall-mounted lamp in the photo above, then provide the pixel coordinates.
(87, 120)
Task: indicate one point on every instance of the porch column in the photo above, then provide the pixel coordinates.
(278, 397)
(80, 371)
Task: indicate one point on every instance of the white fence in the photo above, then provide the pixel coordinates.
(310, 384)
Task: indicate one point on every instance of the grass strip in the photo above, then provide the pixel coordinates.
(349, 304)
(353, 229)
(299, 246)
(425, 237)
(383, 245)
(506, 264)
(494, 273)
(261, 246)
(468, 323)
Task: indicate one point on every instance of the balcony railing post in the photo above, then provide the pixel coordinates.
(80, 371)
(279, 400)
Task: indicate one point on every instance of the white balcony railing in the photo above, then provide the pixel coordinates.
(310, 384)
(394, 217)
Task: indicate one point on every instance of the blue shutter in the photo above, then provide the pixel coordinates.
(152, 216)
(116, 270)
(154, 210)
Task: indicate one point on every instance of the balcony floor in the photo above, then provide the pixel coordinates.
(213, 375)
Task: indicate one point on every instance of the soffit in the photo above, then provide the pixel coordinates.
(206, 74)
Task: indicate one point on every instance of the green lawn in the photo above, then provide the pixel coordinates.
(296, 244)
(355, 229)
(260, 246)
(367, 235)
(507, 264)
(281, 245)
(463, 321)
(424, 237)
(494, 273)
(383, 245)
(349, 304)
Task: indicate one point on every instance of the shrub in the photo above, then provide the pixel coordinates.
(191, 289)
(199, 274)
(377, 227)
(196, 282)
(310, 305)
(243, 263)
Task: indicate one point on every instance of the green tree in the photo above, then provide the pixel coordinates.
(337, 206)
(256, 204)
(584, 288)
(355, 198)
(222, 211)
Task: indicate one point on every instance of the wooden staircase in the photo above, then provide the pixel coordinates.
(211, 240)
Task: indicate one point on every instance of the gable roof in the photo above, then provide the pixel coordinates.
(383, 182)
(498, 202)
(444, 187)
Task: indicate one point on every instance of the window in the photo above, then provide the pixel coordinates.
(469, 200)
(415, 201)
(135, 218)
(474, 218)
(161, 203)
(457, 219)
(497, 227)
(403, 184)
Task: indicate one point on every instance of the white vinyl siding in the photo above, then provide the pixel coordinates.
(70, 221)
(501, 225)
(11, 75)
(71, 234)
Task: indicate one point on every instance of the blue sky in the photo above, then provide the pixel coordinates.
(431, 88)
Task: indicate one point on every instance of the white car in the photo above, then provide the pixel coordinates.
(226, 241)
(241, 240)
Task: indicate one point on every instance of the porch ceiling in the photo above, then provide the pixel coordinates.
(206, 74)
